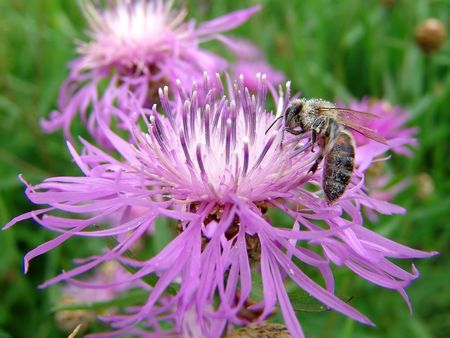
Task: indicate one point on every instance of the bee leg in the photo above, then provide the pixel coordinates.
(317, 127)
(313, 139)
(294, 132)
(315, 166)
(301, 149)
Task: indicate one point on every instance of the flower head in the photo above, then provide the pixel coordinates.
(215, 169)
(135, 46)
(391, 124)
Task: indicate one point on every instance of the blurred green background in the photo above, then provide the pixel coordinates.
(329, 49)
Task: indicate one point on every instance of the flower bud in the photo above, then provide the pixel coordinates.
(430, 35)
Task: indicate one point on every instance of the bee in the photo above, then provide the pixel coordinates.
(329, 126)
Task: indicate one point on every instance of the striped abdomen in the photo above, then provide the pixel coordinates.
(338, 167)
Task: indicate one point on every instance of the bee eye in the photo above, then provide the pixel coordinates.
(290, 113)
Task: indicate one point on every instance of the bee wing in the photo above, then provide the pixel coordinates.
(350, 113)
(353, 119)
(354, 125)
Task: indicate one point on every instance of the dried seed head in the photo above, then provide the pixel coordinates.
(264, 330)
(430, 35)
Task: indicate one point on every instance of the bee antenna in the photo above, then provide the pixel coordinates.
(273, 124)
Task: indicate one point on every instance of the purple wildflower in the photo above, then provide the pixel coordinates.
(212, 169)
(392, 126)
(135, 46)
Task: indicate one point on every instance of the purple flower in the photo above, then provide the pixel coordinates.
(212, 168)
(135, 46)
(391, 124)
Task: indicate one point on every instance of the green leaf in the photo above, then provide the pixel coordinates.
(302, 302)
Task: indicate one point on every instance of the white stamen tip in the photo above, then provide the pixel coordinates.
(279, 107)
(246, 140)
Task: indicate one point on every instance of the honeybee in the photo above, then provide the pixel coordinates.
(328, 126)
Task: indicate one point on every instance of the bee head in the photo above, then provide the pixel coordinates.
(293, 115)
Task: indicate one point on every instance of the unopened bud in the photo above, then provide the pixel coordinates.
(430, 35)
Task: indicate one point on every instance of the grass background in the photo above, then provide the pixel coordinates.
(329, 49)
